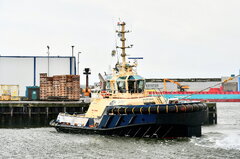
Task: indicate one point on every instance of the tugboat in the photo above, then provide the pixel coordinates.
(126, 109)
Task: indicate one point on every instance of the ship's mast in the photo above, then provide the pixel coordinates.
(123, 47)
(123, 39)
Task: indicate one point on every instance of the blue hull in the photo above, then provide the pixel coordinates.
(156, 121)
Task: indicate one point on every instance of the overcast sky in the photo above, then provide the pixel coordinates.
(177, 38)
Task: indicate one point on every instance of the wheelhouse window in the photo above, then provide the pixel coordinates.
(140, 86)
(135, 84)
(121, 84)
(131, 86)
(108, 87)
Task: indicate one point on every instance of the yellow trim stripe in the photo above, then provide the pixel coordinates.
(149, 109)
(133, 110)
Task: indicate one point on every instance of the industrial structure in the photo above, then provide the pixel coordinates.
(225, 89)
(24, 70)
(194, 84)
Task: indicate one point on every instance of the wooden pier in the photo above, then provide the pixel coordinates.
(41, 107)
(36, 113)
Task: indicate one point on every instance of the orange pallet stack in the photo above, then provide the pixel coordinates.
(69, 87)
(56, 86)
(60, 87)
(76, 87)
(49, 86)
(43, 86)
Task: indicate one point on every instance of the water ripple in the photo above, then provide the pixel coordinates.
(219, 141)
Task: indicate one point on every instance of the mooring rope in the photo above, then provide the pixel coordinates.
(160, 95)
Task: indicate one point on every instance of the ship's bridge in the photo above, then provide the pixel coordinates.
(130, 84)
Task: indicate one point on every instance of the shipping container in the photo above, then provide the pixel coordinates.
(33, 92)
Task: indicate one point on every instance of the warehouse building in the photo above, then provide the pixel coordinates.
(25, 70)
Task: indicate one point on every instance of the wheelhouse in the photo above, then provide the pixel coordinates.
(130, 84)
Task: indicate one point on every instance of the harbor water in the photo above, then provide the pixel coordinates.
(217, 141)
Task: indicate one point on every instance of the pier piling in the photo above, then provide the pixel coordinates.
(212, 114)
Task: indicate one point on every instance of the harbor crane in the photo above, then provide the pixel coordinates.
(182, 88)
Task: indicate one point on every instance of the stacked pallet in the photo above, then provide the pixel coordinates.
(76, 88)
(43, 86)
(65, 87)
